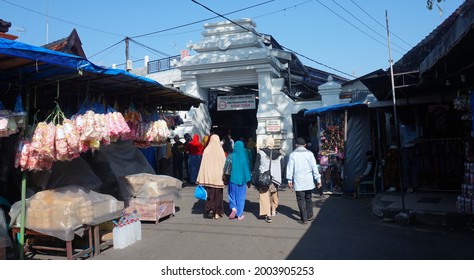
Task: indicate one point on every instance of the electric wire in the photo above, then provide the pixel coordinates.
(379, 23)
(59, 19)
(341, 17)
(261, 36)
(199, 21)
(283, 10)
(91, 56)
(151, 49)
(223, 16)
(360, 21)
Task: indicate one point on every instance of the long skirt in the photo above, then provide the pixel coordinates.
(215, 200)
(236, 195)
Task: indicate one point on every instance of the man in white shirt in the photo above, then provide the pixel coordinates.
(302, 174)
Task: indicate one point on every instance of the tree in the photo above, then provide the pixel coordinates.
(429, 3)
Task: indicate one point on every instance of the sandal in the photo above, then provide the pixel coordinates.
(217, 217)
(210, 214)
(233, 213)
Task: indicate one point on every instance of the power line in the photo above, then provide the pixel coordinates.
(199, 21)
(383, 26)
(187, 24)
(260, 35)
(222, 16)
(107, 48)
(341, 17)
(284, 9)
(72, 23)
(356, 18)
(322, 64)
(149, 48)
(172, 28)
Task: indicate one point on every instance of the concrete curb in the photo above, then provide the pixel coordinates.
(416, 213)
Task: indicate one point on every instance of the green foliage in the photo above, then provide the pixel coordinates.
(429, 3)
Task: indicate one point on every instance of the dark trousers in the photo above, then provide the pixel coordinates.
(409, 169)
(305, 204)
(178, 168)
(165, 166)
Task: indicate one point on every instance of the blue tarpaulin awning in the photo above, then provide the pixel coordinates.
(24, 66)
(326, 109)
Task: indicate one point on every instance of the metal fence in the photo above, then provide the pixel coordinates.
(162, 64)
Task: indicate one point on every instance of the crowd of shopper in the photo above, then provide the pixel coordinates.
(224, 163)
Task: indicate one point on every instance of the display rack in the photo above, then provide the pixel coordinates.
(465, 201)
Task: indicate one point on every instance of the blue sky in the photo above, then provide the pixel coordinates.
(345, 37)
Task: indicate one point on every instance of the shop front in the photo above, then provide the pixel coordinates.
(345, 134)
(432, 83)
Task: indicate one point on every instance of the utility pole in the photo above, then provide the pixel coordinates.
(402, 214)
(127, 40)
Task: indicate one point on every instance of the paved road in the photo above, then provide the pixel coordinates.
(344, 229)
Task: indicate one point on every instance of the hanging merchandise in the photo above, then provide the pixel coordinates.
(118, 127)
(67, 140)
(133, 118)
(91, 130)
(62, 139)
(147, 129)
(332, 136)
(462, 103)
(37, 151)
(19, 113)
(8, 125)
(172, 120)
(97, 125)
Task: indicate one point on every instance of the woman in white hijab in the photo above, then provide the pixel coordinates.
(268, 198)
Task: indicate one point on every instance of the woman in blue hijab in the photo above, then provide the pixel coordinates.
(239, 180)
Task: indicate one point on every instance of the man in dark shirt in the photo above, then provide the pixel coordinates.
(178, 157)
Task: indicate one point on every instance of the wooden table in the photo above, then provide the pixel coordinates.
(70, 251)
(98, 244)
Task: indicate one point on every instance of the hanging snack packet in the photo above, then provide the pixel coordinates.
(19, 113)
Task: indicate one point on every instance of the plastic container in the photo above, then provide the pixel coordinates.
(118, 237)
(139, 229)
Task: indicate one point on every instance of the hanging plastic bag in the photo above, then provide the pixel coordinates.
(200, 192)
(19, 113)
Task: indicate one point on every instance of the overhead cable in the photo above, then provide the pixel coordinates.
(260, 35)
(59, 19)
(199, 21)
(356, 18)
(383, 26)
(341, 17)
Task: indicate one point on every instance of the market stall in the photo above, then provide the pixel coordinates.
(64, 213)
(345, 136)
(75, 109)
(152, 197)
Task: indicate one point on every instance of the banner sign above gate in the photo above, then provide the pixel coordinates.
(235, 102)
